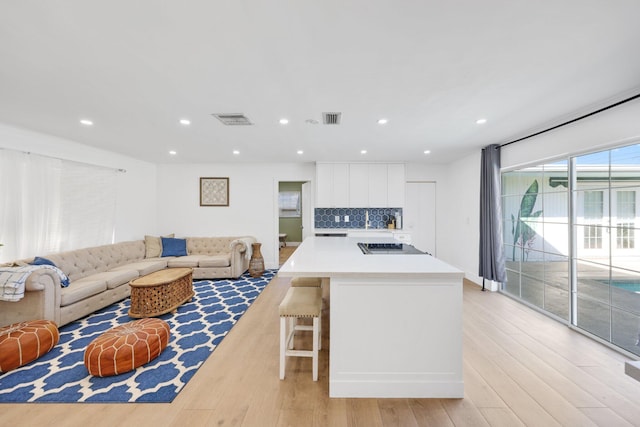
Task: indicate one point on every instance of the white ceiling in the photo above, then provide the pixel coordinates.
(432, 68)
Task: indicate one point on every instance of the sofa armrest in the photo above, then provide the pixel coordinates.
(240, 255)
(41, 299)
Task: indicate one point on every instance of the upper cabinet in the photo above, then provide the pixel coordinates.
(396, 183)
(332, 185)
(360, 185)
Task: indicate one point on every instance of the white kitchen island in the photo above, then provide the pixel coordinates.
(396, 320)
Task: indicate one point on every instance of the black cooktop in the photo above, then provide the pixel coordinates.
(388, 248)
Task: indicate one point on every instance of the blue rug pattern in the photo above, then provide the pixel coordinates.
(196, 329)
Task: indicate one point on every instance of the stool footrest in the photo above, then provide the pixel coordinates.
(299, 353)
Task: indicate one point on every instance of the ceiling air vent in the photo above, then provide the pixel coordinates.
(331, 118)
(233, 119)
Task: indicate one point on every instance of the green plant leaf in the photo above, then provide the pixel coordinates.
(524, 232)
(529, 200)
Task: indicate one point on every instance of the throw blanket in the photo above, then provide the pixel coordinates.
(13, 279)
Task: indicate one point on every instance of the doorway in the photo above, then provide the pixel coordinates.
(294, 212)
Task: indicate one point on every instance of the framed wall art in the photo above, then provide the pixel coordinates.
(214, 191)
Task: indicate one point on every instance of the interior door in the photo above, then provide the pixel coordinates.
(420, 215)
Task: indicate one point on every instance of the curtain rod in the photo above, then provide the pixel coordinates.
(64, 160)
(572, 120)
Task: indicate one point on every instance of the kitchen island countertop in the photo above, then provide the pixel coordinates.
(340, 256)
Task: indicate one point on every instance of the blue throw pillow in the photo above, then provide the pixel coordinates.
(174, 247)
(64, 280)
(42, 261)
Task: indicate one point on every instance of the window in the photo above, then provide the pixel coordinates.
(289, 204)
(51, 205)
(593, 208)
(626, 214)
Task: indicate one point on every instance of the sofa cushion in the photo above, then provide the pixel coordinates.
(115, 278)
(184, 261)
(173, 247)
(215, 261)
(145, 267)
(81, 289)
(153, 245)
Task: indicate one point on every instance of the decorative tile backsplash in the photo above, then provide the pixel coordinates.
(378, 217)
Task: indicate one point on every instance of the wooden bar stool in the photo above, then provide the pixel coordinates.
(283, 239)
(300, 302)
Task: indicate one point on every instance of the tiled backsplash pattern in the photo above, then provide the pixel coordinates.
(378, 217)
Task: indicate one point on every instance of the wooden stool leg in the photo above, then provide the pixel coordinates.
(283, 346)
(316, 339)
(320, 331)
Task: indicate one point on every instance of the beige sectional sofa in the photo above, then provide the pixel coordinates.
(100, 276)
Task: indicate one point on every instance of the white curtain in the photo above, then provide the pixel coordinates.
(50, 205)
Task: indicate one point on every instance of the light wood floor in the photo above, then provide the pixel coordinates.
(520, 368)
(285, 253)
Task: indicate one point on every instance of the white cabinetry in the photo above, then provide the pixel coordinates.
(396, 185)
(332, 185)
(360, 185)
(378, 186)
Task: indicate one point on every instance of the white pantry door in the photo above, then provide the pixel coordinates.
(420, 215)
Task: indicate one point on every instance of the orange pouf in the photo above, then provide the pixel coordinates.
(126, 347)
(24, 342)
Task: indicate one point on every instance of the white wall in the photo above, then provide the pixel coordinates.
(252, 206)
(459, 215)
(136, 200)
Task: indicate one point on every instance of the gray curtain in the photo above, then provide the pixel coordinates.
(491, 249)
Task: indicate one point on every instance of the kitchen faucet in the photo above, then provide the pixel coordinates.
(366, 220)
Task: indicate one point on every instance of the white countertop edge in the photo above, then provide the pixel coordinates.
(457, 276)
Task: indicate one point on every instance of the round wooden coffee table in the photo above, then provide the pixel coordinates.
(160, 292)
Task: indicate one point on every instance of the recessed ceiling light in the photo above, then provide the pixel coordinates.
(236, 152)
(173, 153)
(427, 151)
(481, 121)
(300, 152)
(382, 121)
(185, 122)
(284, 121)
(363, 151)
(86, 122)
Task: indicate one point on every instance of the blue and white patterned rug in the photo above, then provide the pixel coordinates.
(196, 329)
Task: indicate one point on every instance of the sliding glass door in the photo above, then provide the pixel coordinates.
(569, 235)
(535, 207)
